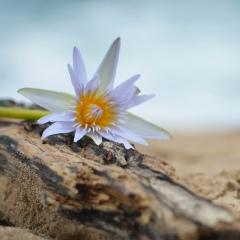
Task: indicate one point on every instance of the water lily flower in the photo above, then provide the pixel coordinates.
(97, 110)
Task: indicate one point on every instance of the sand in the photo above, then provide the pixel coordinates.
(209, 164)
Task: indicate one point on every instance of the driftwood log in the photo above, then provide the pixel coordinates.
(64, 190)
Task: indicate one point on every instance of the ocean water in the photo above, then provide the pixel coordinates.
(187, 52)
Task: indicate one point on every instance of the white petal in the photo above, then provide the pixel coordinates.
(116, 139)
(92, 85)
(145, 128)
(58, 127)
(79, 67)
(80, 132)
(59, 116)
(126, 144)
(124, 87)
(107, 68)
(124, 133)
(138, 100)
(95, 137)
(50, 100)
(132, 93)
(78, 87)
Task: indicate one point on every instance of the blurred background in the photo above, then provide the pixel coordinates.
(187, 52)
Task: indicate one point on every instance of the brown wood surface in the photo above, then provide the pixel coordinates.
(64, 190)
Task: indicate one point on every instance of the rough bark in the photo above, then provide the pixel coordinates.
(64, 190)
(14, 233)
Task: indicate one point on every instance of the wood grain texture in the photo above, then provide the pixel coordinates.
(64, 190)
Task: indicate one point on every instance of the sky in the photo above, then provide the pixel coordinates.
(187, 52)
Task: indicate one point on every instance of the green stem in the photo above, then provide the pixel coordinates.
(20, 113)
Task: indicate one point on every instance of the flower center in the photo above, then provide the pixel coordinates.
(92, 113)
(95, 112)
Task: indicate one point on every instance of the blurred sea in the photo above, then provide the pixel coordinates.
(187, 52)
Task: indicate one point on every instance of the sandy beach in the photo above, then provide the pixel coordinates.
(209, 164)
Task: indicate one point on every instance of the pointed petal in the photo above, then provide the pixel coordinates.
(95, 137)
(78, 87)
(59, 116)
(138, 100)
(116, 139)
(108, 66)
(145, 128)
(80, 132)
(78, 72)
(58, 127)
(50, 100)
(124, 87)
(79, 66)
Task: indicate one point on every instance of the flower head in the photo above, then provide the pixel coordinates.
(97, 109)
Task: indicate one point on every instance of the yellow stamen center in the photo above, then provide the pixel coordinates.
(95, 112)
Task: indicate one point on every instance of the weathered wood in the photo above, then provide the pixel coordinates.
(65, 190)
(14, 233)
